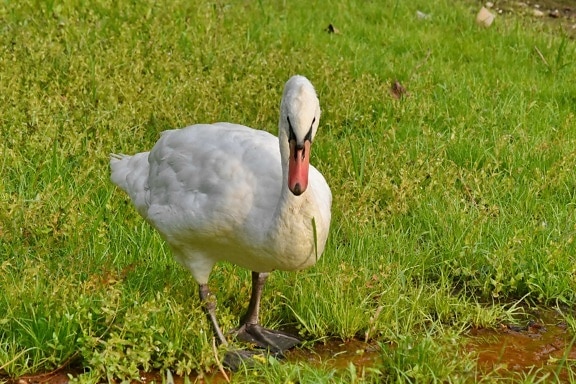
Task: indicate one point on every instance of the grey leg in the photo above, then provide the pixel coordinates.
(252, 315)
(250, 329)
(209, 306)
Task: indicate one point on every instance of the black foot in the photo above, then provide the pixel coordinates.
(233, 360)
(275, 341)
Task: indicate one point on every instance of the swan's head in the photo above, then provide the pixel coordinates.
(299, 118)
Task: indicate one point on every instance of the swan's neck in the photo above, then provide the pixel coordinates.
(289, 205)
(295, 208)
(293, 227)
(293, 230)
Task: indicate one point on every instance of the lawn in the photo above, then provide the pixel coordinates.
(454, 202)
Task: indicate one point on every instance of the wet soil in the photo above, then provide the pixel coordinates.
(332, 353)
(542, 343)
(561, 13)
(338, 354)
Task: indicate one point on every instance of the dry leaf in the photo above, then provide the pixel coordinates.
(332, 29)
(397, 90)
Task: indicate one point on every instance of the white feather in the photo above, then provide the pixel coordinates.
(218, 192)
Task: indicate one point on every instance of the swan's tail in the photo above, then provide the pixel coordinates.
(130, 173)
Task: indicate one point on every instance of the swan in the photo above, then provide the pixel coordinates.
(226, 192)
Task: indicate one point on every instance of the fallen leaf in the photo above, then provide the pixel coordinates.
(397, 90)
(332, 29)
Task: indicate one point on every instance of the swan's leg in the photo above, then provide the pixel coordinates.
(252, 315)
(232, 359)
(250, 329)
(209, 306)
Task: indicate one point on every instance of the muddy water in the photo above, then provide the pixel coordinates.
(334, 354)
(338, 354)
(542, 342)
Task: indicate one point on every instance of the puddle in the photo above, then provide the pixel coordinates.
(334, 354)
(543, 342)
(331, 353)
(57, 377)
(338, 354)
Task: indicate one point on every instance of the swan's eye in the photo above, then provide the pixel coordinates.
(291, 135)
(309, 134)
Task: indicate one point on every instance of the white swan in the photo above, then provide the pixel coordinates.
(225, 192)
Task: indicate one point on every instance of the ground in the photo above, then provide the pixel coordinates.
(562, 12)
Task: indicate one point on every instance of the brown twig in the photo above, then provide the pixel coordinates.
(44, 377)
(541, 56)
(220, 367)
(421, 63)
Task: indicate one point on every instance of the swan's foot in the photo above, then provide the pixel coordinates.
(275, 343)
(272, 340)
(233, 360)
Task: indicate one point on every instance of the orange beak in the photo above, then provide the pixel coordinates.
(298, 167)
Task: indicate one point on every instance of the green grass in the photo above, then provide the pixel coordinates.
(451, 205)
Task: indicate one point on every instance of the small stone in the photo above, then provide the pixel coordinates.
(554, 14)
(485, 17)
(422, 16)
(538, 13)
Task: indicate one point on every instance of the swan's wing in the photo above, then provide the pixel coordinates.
(213, 180)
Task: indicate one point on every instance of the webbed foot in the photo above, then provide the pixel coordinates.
(233, 360)
(272, 340)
